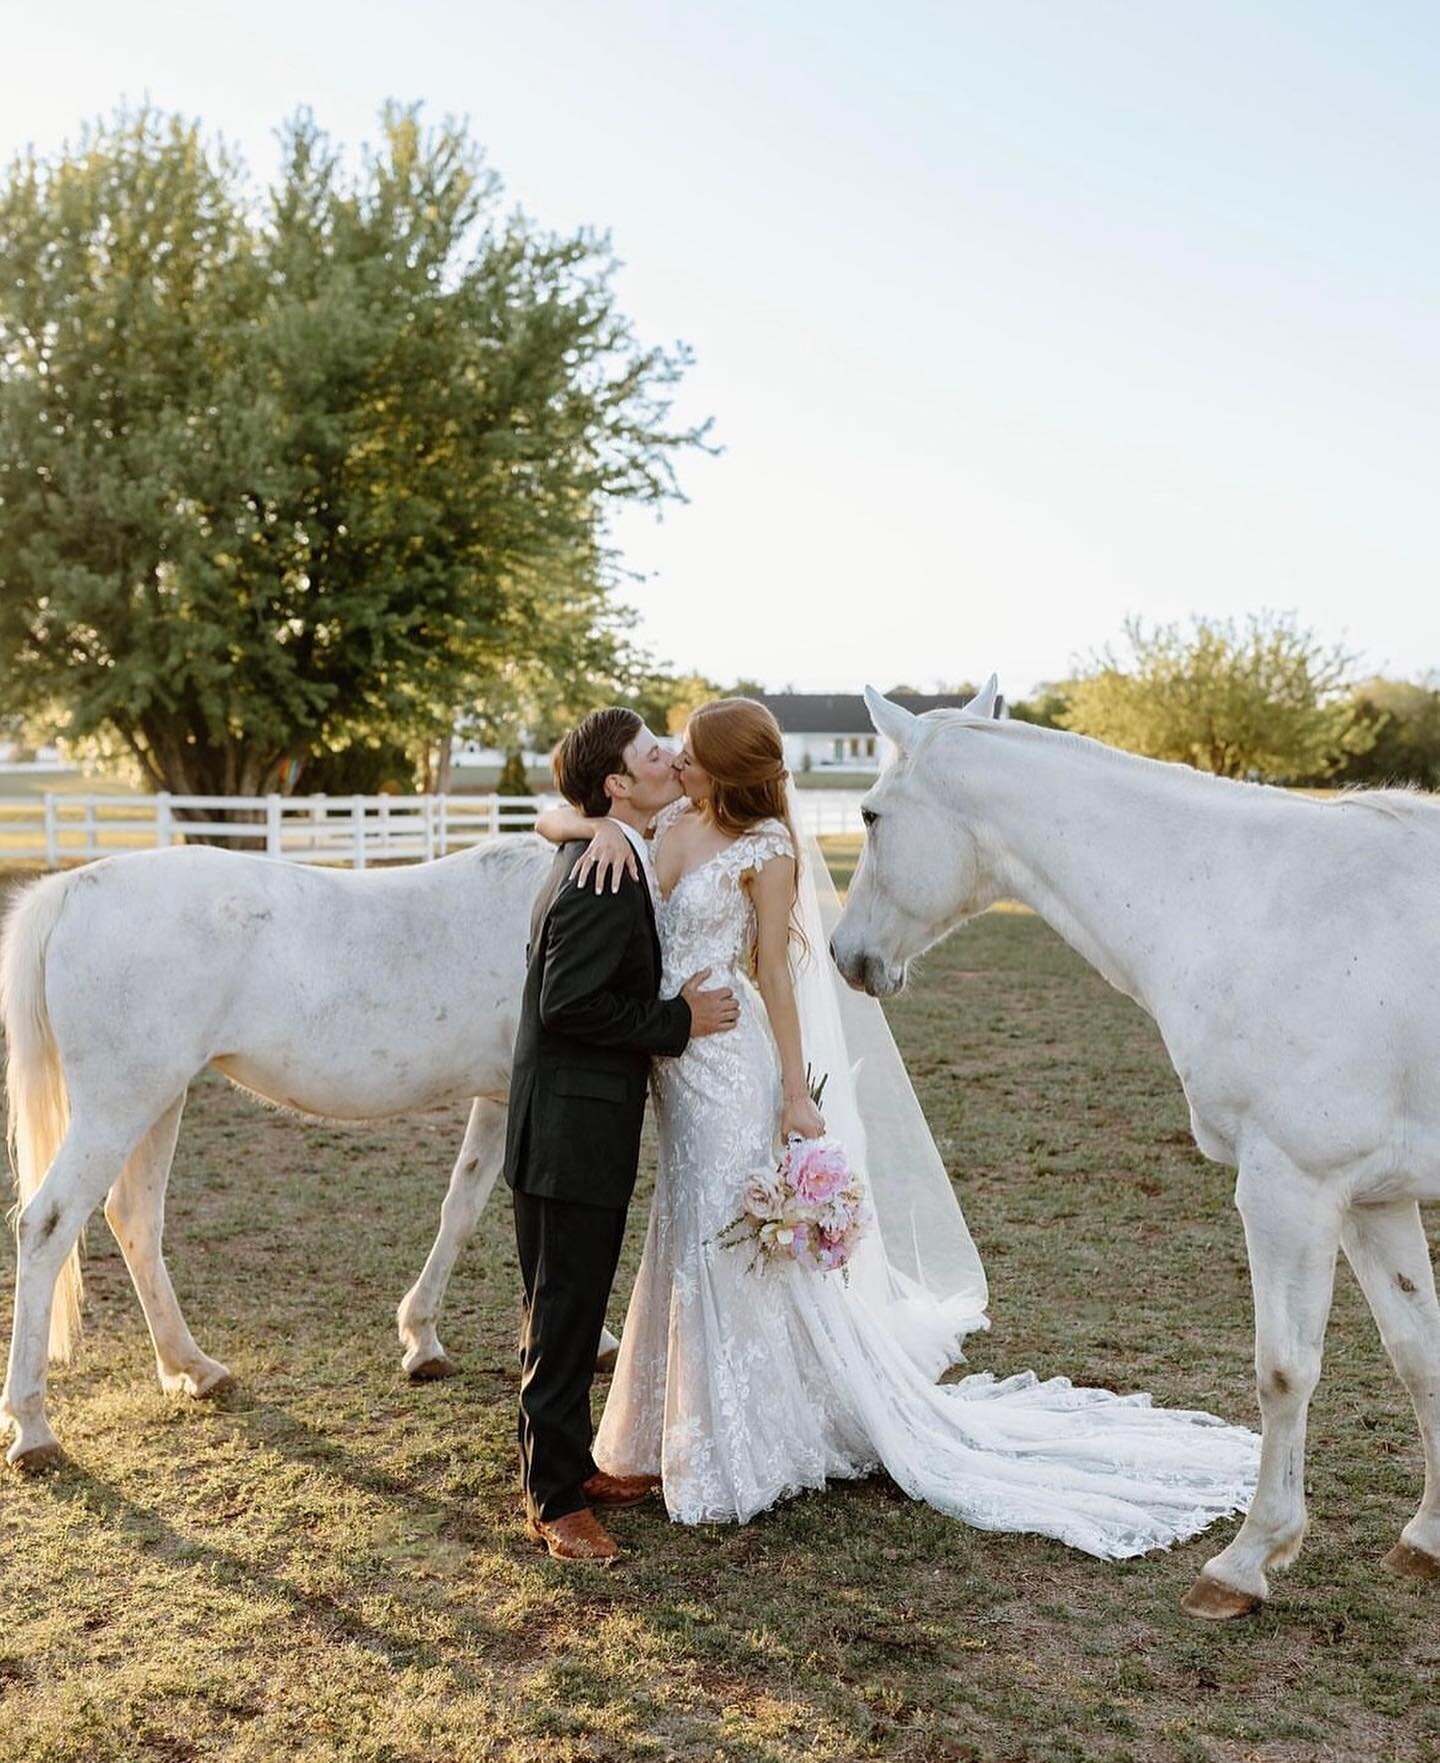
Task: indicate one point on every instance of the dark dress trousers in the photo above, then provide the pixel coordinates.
(590, 1021)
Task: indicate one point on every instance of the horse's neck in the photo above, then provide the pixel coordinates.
(1116, 854)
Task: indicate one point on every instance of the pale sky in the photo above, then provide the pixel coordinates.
(1015, 316)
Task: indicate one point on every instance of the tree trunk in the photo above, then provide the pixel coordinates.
(186, 767)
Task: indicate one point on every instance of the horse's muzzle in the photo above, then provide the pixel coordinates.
(864, 972)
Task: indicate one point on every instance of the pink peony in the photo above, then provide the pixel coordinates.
(818, 1171)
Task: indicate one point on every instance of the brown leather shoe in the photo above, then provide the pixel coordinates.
(578, 1536)
(619, 1490)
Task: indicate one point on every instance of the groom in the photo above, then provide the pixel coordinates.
(589, 1022)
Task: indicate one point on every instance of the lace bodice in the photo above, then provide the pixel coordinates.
(707, 919)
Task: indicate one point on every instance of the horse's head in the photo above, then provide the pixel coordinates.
(920, 872)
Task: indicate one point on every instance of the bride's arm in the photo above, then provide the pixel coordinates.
(562, 823)
(772, 888)
(609, 850)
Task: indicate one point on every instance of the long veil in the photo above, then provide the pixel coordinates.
(920, 1270)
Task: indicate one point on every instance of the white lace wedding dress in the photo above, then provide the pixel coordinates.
(742, 1387)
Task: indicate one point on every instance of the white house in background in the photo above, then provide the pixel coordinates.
(42, 759)
(472, 753)
(824, 731)
(832, 731)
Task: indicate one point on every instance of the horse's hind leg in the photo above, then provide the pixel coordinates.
(1387, 1248)
(45, 1233)
(135, 1212)
(482, 1152)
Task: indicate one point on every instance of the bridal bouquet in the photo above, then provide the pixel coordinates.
(811, 1209)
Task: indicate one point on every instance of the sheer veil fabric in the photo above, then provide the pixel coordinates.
(921, 1272)
(743, 1387)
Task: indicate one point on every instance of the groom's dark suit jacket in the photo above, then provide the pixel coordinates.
(589, 1022)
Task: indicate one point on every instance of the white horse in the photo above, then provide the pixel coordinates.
(341, 995)
(1289, 950)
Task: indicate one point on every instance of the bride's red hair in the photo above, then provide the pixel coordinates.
(738, 743)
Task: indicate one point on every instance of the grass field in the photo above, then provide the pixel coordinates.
(327, 1565)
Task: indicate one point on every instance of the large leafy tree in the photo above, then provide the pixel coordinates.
(1404, 716)
(1264, 700)
(288, 475)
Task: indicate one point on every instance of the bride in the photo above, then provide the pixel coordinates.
(742, 1387)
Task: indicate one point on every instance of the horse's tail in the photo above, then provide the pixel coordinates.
(39, 1111)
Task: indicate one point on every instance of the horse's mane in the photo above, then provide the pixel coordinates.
(1012, 729)
(1399, 801)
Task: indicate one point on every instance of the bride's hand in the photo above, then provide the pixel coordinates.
(800, 1115)
(608, 854)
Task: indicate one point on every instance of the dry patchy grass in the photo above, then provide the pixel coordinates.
(326, 1564)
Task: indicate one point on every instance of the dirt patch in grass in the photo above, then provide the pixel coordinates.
(327, 1563)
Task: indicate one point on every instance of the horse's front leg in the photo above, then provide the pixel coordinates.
(135, 1212)
(1292, 1232)
(1387, 1248)
(481, 1154)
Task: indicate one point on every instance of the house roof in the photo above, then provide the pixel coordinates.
(844, 713)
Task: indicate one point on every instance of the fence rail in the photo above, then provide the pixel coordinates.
(57, 828)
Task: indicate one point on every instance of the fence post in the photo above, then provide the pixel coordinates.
(272, 826)
(427, 815)
(164, 822)
(317, 815)
(52, 833)
(494, 815)
(357, 824)
(384, 821)
(444, 824)
(91, 848)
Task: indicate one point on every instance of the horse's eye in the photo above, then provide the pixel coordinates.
(869, 816)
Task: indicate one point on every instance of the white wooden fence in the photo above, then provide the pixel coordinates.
(355, 830)
(58, 828)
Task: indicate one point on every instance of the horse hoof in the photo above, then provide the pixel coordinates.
(606, 1361)
(432, 1370)
(197, 1386)
(1413, 1563)
(37, 1459)
(1214, 1601)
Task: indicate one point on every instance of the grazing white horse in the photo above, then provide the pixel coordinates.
(347, 996)
(1289, 950)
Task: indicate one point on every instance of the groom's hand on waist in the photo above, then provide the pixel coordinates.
(712, 1012)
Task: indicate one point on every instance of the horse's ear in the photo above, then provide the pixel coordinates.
(987, 702)
(893, 721)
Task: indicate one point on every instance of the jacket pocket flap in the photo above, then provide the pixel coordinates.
(596, 1086)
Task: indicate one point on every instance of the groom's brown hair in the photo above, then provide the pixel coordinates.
(591, 752)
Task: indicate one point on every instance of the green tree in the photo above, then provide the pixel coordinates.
(282, 477)
(513, 780)
(1404, 716)
(665, 700)
(1267, 700)
(1046, 707)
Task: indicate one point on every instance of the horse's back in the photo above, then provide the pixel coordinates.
(283, 969)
